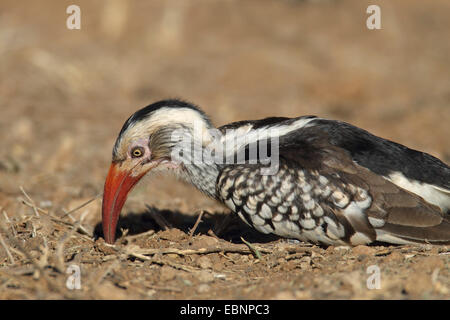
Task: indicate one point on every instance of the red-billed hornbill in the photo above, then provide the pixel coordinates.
(332, 183)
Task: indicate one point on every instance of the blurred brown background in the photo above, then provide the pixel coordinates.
(64, 94)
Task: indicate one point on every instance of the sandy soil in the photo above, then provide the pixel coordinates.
(64, 95)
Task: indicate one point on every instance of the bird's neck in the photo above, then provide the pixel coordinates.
(202, 176)
(205, 151)
(194, 151)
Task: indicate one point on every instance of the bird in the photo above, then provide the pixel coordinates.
(308, 178)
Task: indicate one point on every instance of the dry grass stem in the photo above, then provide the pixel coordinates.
(82, 205)
(32, 204)
(197, 222)
(159, 219)
(8, 253)
(252, 248)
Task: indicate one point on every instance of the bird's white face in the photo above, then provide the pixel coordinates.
(144, 145)
(137, 157)
(132, 161)
(124, 173)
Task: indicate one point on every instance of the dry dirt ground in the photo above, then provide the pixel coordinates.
(64, 95)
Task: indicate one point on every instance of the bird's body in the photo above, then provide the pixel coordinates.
(317, 180)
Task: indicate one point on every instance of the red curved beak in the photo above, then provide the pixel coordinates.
(118, 184)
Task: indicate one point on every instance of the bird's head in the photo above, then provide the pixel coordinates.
(145, 142)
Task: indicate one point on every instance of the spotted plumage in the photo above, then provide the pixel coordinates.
(334, 184)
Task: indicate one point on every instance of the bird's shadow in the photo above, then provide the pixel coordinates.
(226, 226)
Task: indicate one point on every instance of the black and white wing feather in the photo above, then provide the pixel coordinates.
(331, 189)
(415, 171)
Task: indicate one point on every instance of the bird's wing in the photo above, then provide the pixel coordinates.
(320, 194)
(397, 215)
(412, 170)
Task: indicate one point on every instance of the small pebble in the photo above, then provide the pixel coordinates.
(205, 276)
(203, 288)
(167, 273)
(204, 262)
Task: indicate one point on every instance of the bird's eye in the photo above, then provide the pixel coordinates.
(137, 152)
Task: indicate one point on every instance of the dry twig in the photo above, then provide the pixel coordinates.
(10, 223)
(252, 248)
(135, 236)
(60, 265)
(159, 219)
(33, 205)
(229, 247)
(80, 229)
(8, 253)
(38, 268)
(163, 288)
(81, 205)
(199, 219)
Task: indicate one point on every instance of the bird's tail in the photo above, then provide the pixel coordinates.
(401, 234)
